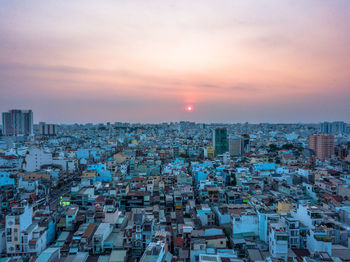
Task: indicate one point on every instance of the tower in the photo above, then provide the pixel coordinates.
(17, 122)
(220, 141)
(322, 145)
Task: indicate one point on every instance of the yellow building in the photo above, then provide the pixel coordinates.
(210, 152)
(216, 241)
(37, 176)
(283, 207)
(120, 157)
(89, 174)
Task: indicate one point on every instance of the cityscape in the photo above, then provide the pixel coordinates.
(175, 131)
(179, 191)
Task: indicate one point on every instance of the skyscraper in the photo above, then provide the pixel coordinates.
(326, 127)
(245, 143)
(322, 145)
(48, 129)
(235, 145)
(220, 141)
(17, 122)
(338, 127)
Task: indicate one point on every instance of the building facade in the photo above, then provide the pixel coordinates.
(338, 127)
(322, 145)
(48, 129)
(235, 146)
(17, 122)
(220, 141)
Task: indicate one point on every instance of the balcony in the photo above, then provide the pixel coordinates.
(316, 215)
(322, 238)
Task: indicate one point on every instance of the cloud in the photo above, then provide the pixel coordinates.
(145, 59)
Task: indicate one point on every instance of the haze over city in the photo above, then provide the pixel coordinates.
(149, 61)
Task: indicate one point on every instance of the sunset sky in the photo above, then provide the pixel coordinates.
(148, 61)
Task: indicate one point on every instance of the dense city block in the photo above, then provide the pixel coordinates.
(179, 191)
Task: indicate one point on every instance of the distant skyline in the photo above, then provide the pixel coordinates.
(149, 61)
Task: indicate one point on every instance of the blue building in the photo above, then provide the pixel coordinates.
(5, 179)
(83, 153)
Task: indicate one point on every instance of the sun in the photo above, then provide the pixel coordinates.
(189, 108)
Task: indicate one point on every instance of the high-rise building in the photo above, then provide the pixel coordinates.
(326, 127)
(220, 141)
(235, 145)
(245, 143)
(17, 122)
(337, 127)
(48, 129)
(322, 145)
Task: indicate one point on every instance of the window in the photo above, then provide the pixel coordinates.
(282, 238)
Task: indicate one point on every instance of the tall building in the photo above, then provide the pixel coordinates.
(17, 122)
(245, 143)
(326, 127)
(322, 145)
(337, 127)
(220, 140)
(48, 129)
(235, 145)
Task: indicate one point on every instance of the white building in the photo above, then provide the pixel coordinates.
(155, 252)
(293, 231)
(245, 225)
(111, 215)
(310, 216)
(319, 241)
(278, 241)
(28, 186)
(265, 220)
(101, 234)
(19, 220)
(36, 158)
(22, 235)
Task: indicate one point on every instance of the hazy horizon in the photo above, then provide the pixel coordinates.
(112, 122)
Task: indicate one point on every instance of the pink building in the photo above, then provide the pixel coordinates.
(322, 145)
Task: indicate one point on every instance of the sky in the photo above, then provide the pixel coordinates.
(147, 61)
